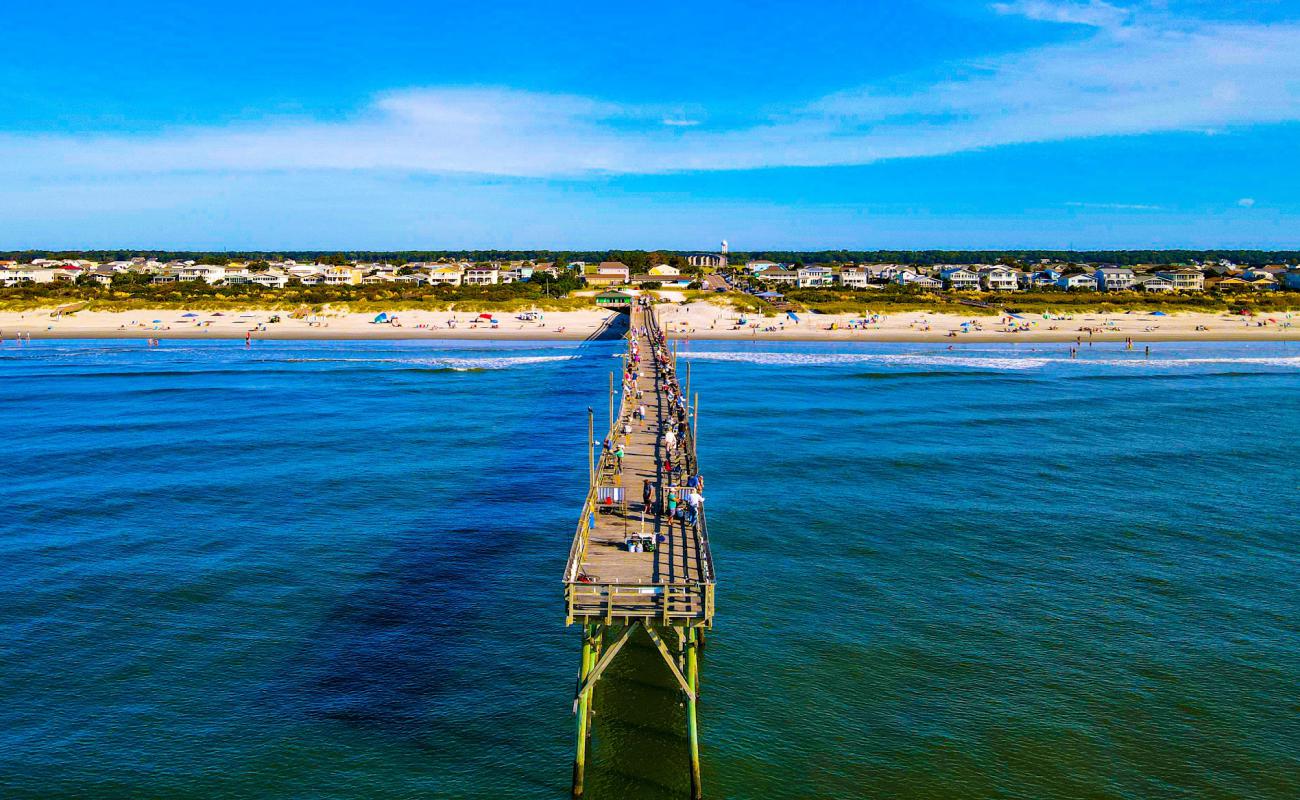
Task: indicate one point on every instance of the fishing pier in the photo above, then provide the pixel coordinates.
(640, 557)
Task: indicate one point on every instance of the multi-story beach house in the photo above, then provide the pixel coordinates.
(343, 276)
(1082, 282)
(1185, 280)
(886, 273)
(852, 277)
(814, 276)
(999, 279)
(759, 266)
(608, 273)
(481, 275)
(910, 278)
(1040, 279)
(444, 275)
(1115, 279)
(960, 279)
(271, 279)
(1153, 283)
(207, 273)
(778, 275)
(518, 272)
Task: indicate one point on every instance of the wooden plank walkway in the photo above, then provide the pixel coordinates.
(605, 578)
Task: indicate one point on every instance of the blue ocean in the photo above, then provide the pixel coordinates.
(332, 570)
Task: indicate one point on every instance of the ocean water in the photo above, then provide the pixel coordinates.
(332, 570)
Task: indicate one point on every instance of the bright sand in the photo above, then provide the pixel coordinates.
(696, 321)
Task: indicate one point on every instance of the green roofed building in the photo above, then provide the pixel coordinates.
(613, 297)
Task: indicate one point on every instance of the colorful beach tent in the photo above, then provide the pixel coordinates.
(1159, 314)
(792, 315)
(381, 317)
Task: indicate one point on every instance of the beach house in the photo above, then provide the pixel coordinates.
(778, 275)
(1042, 278)
(999, 279)
(910, 278)
(608, 273)
(852, 277)
(271, 279)
(813, 276)
(444, 275)
(481, 275)
(1153, 283)
(1115, 279)
(207, 273)
(960, 279)
(1081, 282)
(1185, 280)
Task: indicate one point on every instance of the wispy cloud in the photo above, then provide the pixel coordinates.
(1246, 202)
(1095, 13)
(1114, 206)
(1150, 74)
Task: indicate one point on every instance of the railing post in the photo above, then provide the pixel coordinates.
(591, 448)
(695, 427)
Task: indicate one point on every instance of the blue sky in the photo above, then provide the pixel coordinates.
(933, 123)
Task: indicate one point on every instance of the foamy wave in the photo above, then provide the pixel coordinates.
(1278, 361)
(893, 359)
(1005, 363)
(460, 364)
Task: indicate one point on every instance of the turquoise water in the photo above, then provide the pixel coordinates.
(331, 569)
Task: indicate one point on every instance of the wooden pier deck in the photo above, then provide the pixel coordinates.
(674, 583)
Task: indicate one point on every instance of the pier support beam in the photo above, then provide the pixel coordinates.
(587, 662)
(692, 698)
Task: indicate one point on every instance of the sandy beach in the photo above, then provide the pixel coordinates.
(692, 321)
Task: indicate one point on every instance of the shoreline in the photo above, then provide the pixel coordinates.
(695, 321)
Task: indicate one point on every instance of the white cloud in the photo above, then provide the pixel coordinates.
(1094, 13)
(1246, 202)
(1115, 206)
(1147, 76)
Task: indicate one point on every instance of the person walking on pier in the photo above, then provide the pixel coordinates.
(670, 440)
(647, 495)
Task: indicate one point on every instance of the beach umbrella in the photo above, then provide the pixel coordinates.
(157, 321)
(485, 316)
(1159, 314)
(191, 314)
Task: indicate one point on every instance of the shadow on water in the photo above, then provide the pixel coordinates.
(454, 645)
(639, 747)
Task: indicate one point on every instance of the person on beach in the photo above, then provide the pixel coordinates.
(647, 494)
(670, 440)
